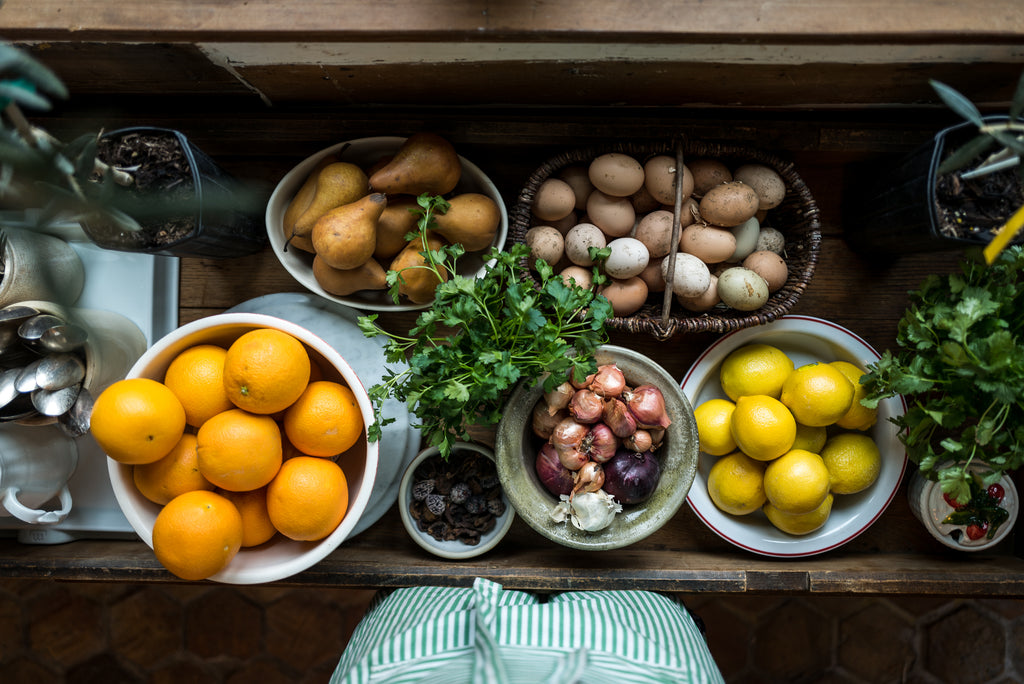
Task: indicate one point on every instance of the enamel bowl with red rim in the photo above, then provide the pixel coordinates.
(804, 339)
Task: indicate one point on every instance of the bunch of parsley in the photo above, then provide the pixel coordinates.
(961, 370)
(481, 336)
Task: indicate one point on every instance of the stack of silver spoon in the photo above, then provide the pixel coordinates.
(42, 369)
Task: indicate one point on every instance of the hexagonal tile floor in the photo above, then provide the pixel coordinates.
(127, 633)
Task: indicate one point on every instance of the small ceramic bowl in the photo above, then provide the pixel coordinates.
(280, 557)
(364, 152)
(517, 446)
(453, 550)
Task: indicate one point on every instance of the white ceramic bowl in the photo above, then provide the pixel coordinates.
(280, 557)
(516, 453)
(365, 151)
(453, 550)
(804, 339)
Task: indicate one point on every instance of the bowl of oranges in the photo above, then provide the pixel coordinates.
(237, 448)
(791, 463)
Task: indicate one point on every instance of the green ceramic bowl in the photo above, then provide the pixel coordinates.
(516, 450)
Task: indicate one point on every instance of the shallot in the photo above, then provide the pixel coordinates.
(647, 404)
(608, 381)
(589, 478)
(619, 418)
(600, 443)
(544, 422)
(558, 398)
(585, 406)
(639, 441)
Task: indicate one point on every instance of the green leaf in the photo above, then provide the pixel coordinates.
(1017, 103)
(966, 153)
(957, 102)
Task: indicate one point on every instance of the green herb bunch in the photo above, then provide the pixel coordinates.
(961, 370)
(481, 336)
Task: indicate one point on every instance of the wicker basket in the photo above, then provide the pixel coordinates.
(797, 219)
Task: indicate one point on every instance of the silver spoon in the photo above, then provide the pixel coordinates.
(15, 314)
(55, 402)
(63, 338)
(33, 328)
(75, 421)
(8, 385)
(26, 381)
(57, 371)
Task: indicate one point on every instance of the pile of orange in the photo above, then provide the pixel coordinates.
(236, 445)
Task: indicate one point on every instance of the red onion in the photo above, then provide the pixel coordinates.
(618, 417)
(600, 443)
(543, 422)
(608, 381)
(555, 477)
(585, 406)
(589, 478)
(558, 398)
(631, 477)
(639, 441)
(647, 404)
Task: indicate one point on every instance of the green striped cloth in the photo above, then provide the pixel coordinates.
(489, 635)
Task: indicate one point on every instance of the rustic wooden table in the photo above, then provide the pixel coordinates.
(894, 556)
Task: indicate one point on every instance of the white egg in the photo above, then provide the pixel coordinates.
(628, 258)
(690, 276)
(580, 239)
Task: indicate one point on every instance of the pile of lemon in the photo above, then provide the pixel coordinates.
(787, 438)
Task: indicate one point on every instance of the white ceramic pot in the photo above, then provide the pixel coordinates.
(930, 508)
(39, 266)
(35, 466)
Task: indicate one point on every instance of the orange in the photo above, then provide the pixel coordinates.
(252, 505)
(308, 498)
(239, 450)
(137, 420)
(197, 534)
(325, 420)
(174, 474)
(265, 370)
(196, 376)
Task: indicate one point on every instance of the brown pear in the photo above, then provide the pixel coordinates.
(302, 198)
(397, 221)
(471, 220)
(369, 276)
(336, 184)
(425, 162)
(345, 236)
(414, 281)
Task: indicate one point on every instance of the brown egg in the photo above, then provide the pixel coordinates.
(577, 177)
(707, 173)
(554, 200)
(708, 243)
(729, 204)
(613, 215)
(545, 243)
(625, 296)
(704, 301)
(652, 275)
(616, 174)
(655, 231)
(769, 266)
(660, 179)
(577, 274)
(768, 184)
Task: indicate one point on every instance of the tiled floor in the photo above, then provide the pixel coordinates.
(118, 633)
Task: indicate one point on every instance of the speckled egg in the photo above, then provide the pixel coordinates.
(616, 174)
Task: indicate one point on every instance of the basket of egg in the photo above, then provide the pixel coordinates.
(733, 244)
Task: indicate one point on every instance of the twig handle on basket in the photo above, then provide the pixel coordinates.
(677, 214)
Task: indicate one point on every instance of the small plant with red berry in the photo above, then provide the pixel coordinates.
(982, 514)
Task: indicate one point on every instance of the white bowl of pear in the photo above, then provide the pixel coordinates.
(337, 221)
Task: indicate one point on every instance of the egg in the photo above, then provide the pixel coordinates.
(616, 174)
(660, 179)
(769, 266)
(742, 289)
(746, 235)
(627, 257)
(614, 215)
(580, 239)
(689, 213)
(765, 181)
(690, 276)
(564, 224)
(652, 275)
(643, 202)
(708, 243)
(554, 200)
(705, 301)
(655, 231)
(578, 178)
(729, 204)
(578, 275)
(707, 173)
(545, 243)
(770, 239)
(626, 296)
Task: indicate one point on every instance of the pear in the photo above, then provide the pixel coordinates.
(416, 282)
(302, 198)
(337, 184)
(425, 162)
(472, 220)
(345, 236)
(369, 276)
(397, 221)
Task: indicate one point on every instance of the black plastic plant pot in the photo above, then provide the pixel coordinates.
(185, 203)
(894, 212)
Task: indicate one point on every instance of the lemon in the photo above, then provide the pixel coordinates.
(799, 523)
(762, 427)
(797, 481)
(754, 369)
(714, 418)
(853, 461)
(859, 417)
(736, 484)
(818, 394)
(810, 438)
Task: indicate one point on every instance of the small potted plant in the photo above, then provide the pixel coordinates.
(138, 190)
(956, 191)
(960, 367)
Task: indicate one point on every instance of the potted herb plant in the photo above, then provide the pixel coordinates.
(960, 367)
(954, 192)
(138, 190)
